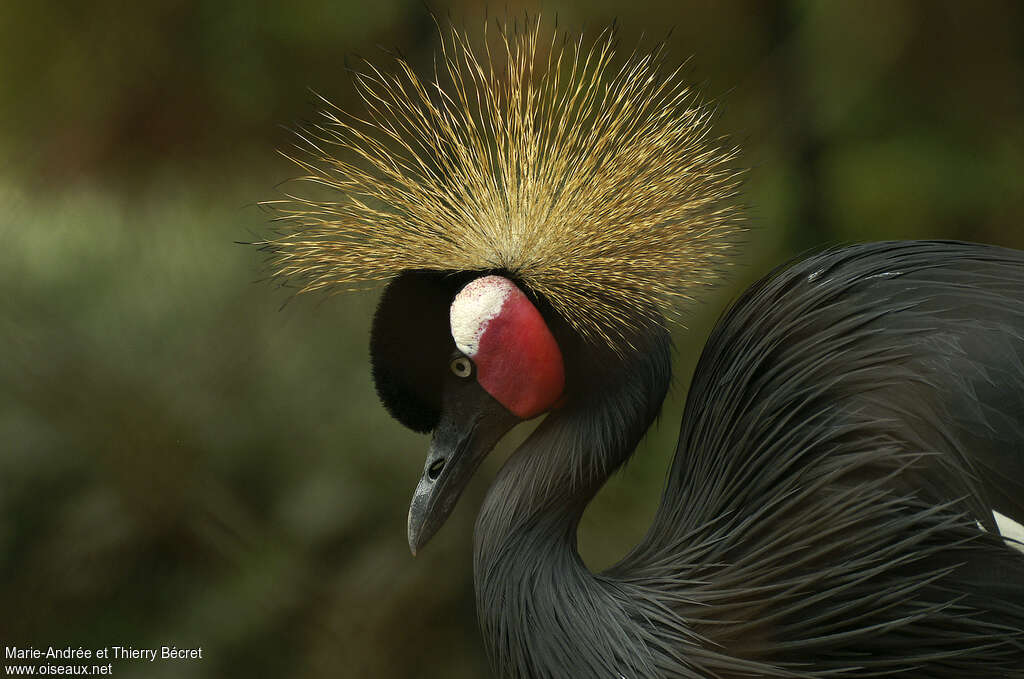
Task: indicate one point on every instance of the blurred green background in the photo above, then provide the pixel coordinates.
(183, 461)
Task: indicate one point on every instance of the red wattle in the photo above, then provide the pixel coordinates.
(519, 362)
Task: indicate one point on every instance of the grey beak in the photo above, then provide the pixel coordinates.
(460, 443)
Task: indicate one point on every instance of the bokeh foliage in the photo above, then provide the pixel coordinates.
(183, 461)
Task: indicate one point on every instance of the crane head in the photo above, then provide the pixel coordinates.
(468, 375)
(580, 188)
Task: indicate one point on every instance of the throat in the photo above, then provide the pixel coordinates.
(543, 613)
(537, 603)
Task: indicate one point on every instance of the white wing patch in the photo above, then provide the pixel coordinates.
(1009, 528)
(474, 307)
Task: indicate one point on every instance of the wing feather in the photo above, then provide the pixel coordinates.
(852, 423)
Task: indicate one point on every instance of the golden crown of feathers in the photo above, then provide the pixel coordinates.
(596, 185)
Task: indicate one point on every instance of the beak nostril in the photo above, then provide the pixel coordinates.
(434, 470)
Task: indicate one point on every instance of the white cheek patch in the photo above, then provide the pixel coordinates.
(474, 307)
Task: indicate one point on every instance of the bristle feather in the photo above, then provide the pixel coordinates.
(598, 186)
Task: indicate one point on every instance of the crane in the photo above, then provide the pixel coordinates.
(855, 418)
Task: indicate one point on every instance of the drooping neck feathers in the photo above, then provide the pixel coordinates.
(838, 454)
(530, 580)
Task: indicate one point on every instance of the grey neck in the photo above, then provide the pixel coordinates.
(542, 612)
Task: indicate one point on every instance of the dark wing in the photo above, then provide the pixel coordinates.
(853, 419)
(920, 343)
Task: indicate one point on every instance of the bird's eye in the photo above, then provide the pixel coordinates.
(462, 367)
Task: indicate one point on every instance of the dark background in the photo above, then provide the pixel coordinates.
(182, 461)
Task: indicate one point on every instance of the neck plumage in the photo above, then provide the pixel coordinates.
(543, 613)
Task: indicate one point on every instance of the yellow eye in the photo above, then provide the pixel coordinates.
(462, 367)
